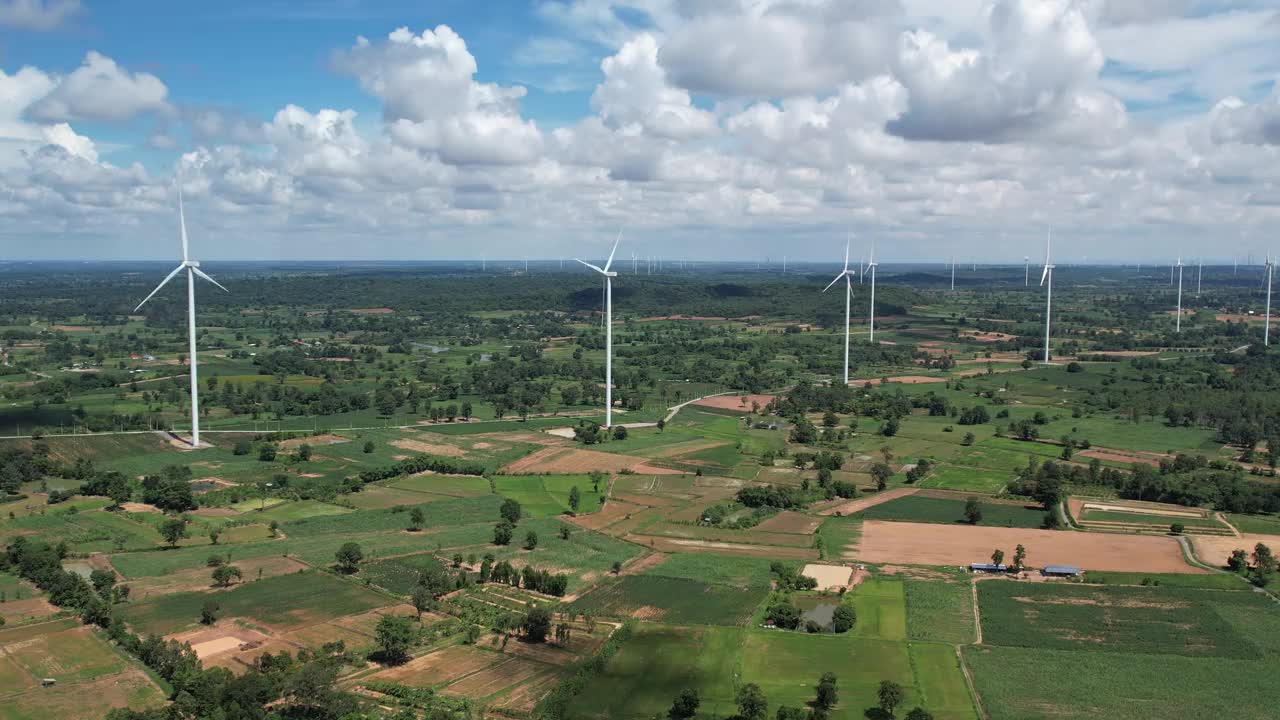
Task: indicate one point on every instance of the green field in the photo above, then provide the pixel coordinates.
(547, 495)
(920, 508)
(285, 602)
(671, 600)
(940, 611)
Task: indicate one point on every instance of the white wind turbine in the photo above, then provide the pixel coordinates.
(1266, 322)
(193, 269)
(1178, 324)
(871, 337)
(848, 292)
(609, 275)
(1199, 274)
(953, 273)
(1026, 270)
(1047, 276)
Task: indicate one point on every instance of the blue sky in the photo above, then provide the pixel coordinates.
(537, 127)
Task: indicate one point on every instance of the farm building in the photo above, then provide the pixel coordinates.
(1061, 571)
(988, 567)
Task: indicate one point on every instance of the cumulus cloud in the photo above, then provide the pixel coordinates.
(1234, 121)
(431, 100)
(101, 90)
(37, 14)
(635, 92)
(64, 137)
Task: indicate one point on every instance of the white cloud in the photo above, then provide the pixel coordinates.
(37, 14)
(635, 91)
(64, 137)
(101, 90)
(1234, 121)
(431, 100)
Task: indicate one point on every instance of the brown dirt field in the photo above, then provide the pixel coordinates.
(1215, 550)
(314, 441)
(1225, 317)
(317, 635)
(904, 379)
(987, 337)
(364, 623)
(440, 666)
(197, 579)
(216, 641)
(71, 328)
(139, 507)
(371, 311)
(849, 507)
(532, 438)
(1117, 457)
(666, 544)
(524, 698)
(493, 679)
(29, 608)
(789, 521)
(683, 448)
(68, 701)
(215, 512)
(829, 576)
(425, 447)
(928, 544)
(645, 562)
(734, 402)
(570, 461)
(612, 512)
(646, 500)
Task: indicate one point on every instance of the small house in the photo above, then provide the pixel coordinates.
(1061, 571)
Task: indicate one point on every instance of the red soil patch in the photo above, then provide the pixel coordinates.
(612, 512)
(735, 402)
(216, 641)
(904, 379)
(430, 448)
(850, 507)
(930, 544)
(1118, 457)
(71, 328)
(790, 522)
(441, 666)
(988, 336)
(1214, 551)
(371, 311)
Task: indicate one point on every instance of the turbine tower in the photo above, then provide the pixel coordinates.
(609, 275)
(1199, 274)
(1047, 277)
(1178, 325)
(848, 293)
(953, 273)
(1266, 322)
(871, 337)
(1026, 271)
(193, 269)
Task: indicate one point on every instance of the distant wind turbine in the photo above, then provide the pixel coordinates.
(848, 293)
(1178, 325)
(1047, 277)
(871, 336)
(1266, 322)
(1199, 274)
(953, 273)
(609, 275)
(1026, 270)
(193, 269)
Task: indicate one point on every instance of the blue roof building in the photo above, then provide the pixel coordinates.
(1062, 570)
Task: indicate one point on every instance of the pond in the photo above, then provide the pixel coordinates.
(817, 608)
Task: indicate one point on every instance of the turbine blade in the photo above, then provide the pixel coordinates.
(833, 282)
(846, 256)
(593, 267)
(1044, 274)
(609, 262)
(201, 273)
(163, 282)
(182, 222)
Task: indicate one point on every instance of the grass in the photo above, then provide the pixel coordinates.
(671, 600)
(1172, 621)
(655, 665)
(399, 575)
(838, 533)
(717, 569)
(444, 513)
(68, 655)
(1214, 581)
(918, 508)
(284, 601)
(1256, 524)
(943, 690)
(881, 606)
(298, 510)
(939, 611)
(957, 477)
(547, 495)
(1039, 684)
(456, 485)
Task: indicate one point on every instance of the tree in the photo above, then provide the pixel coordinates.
(685, 705)
(843, 619)
(349, 557)
(118, 490)
(783, 615)
(973, 510)
(416, 519)
(209, 612)
(827, 694)
(242, 447)
(368, 447)
(502, 533)
(919, 714)
(102, 580)
(224, 575)
(531, 540)
(422, 600)
(394, 636)
(304, 453)
(890, 427)
(617, 567)
(1019, 558)
(890, 696)
(575, 498)
(510, 511)
(620, 432)
(564, 532)
(1176, 528)
(267, 453)
(214, 534)
(881, 472)
(997, 556)
(1264, 565)
(536, 625)
(968, 439)
(752, 704)
(173, 530)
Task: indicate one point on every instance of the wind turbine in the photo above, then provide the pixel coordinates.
(1047, 276)
(1026, 270)
(1178, 325)
(953, 273)
(609, 275)
(848, 293)
(1266, 322)
(193, 269)
(1199, 274)
(871, 337)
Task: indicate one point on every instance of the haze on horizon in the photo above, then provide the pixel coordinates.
(726, 129)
